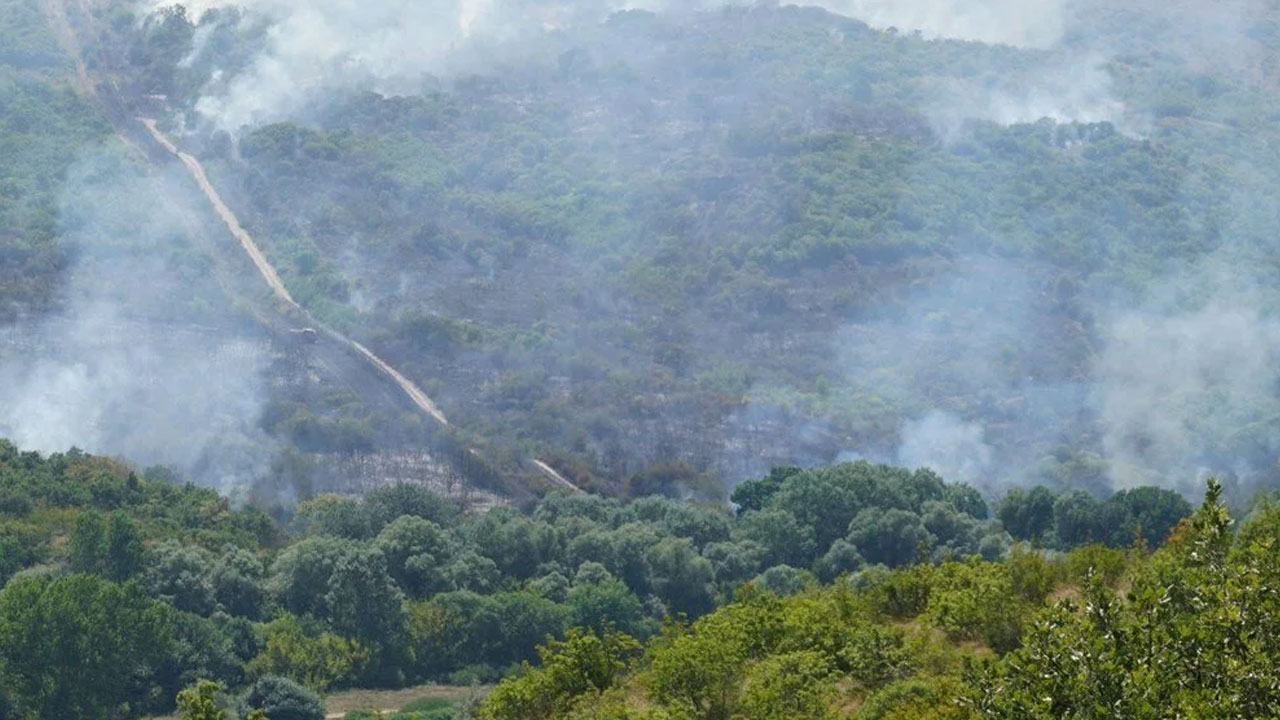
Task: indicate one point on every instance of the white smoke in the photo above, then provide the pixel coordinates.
(954, 449)
(391, 46)
(1021, 23)
(1188, 382)
(388, 46)
(140, 363)
(1065, 89)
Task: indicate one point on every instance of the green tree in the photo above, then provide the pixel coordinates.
(698, 671)
(525, 621)
(735, 562)
(1150, 514)
(124, 556)
(1076, 517)
(891, 537)
(605, 604)
(783, 580)
(282, 699)
(319, 660)
(86, 554)
(416, 550)
(843, 557)
(792, 685)
(756, 494)
(583, 663)
(238, 582)
(786, 540)
(387, 504)
(182, 575)
(1027, 515)
(1191, 639)
(200, 702)
(682, 577)
(75, 647)
(362, 602)
(516, 544)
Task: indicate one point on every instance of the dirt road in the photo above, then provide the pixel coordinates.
(556, 477)
(269, 274)
(224, 213)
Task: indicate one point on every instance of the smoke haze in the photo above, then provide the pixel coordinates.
(142, 362)
(984, 334)
(392, 46)
(1021, 23)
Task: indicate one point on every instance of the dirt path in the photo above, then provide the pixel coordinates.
(556, 477)
(412, 391)
(415, 394)
(269, 274)
(232, 222)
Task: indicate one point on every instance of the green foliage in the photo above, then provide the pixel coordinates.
(282, 699)
(890, 537)
(977, 601)
(400, 587)
(584, 662)
(317, 660)
(681, 577)
(416, 551)
(1027, 515)
(1189, 641)
(791, 685)
(75, 647)
(200, 702)
(756, 494)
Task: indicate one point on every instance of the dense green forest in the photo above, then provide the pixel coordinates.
(125, 587)
(1096, 633)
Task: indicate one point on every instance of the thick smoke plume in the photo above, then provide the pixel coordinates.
(392, 46)
(1065, 87)
(1188, 381)
(123, 369)
(954, 449)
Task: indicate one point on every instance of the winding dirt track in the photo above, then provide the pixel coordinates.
(555, 477)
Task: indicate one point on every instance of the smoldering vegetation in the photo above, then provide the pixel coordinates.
(144, 357)
(1016, 243)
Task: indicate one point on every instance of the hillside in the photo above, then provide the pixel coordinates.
(750, 236)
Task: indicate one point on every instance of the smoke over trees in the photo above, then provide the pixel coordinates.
(665, 248)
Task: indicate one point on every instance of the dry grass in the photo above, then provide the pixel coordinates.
(340, 703)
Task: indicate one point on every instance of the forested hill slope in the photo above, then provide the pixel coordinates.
(44, 126)
(665, 250)
(774, 234)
